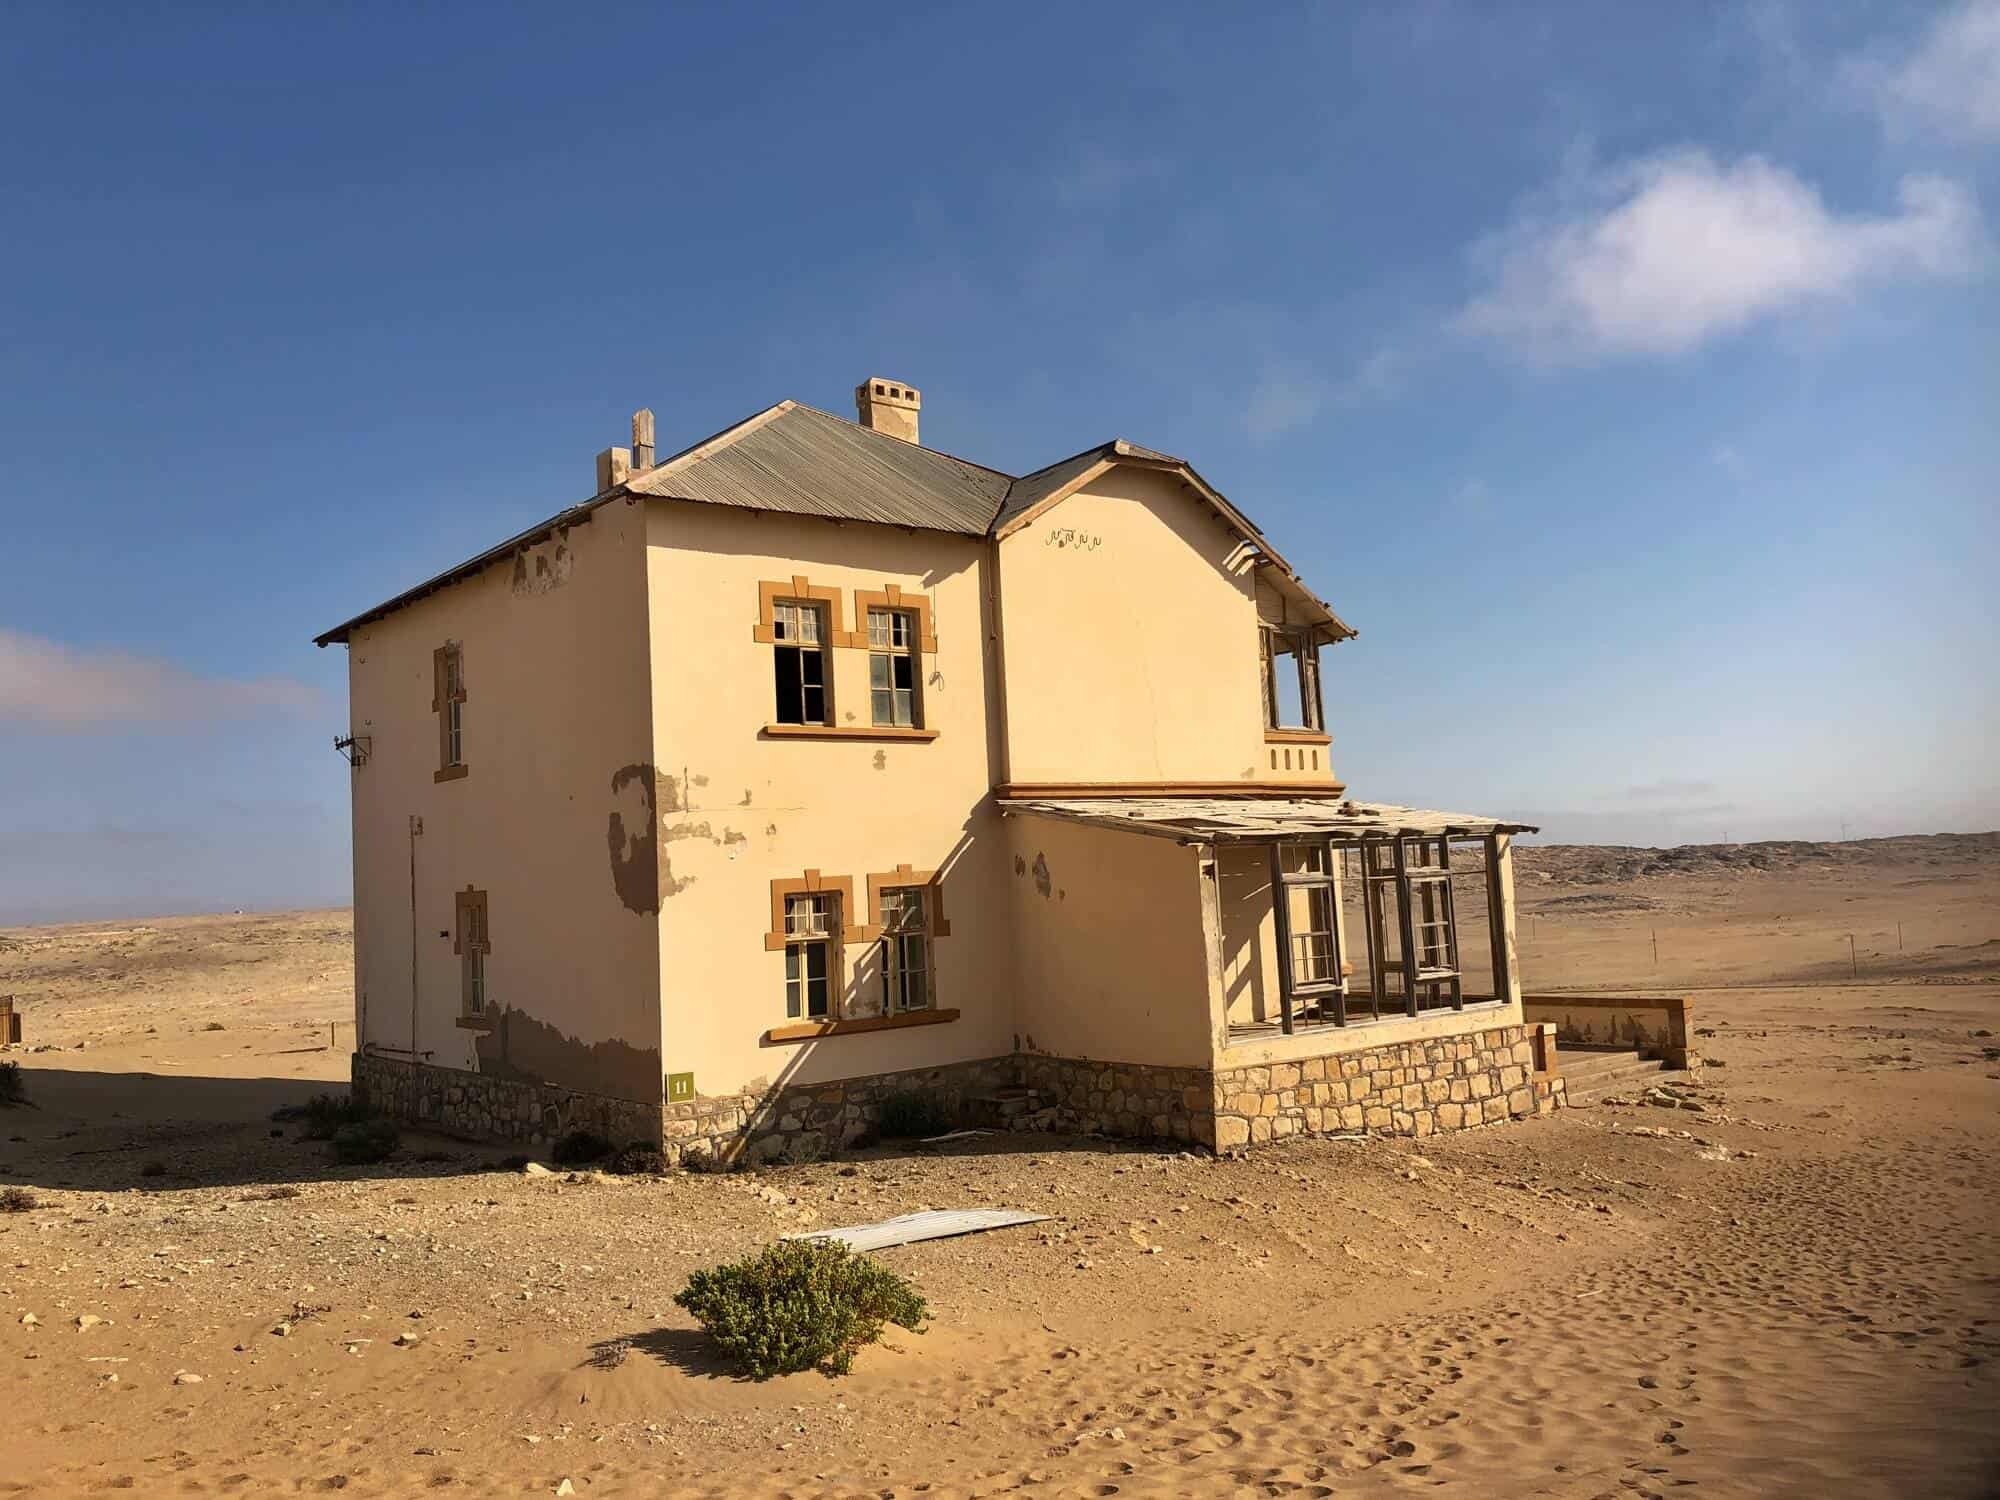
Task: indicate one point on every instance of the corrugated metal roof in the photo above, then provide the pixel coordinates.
(810, 463)
(798, 460)
(1209, 819)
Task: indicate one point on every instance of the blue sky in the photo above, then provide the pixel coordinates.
(1627, 375)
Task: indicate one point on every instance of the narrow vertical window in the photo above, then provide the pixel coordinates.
(892, 668)
(906, 950)
(799, 656)
(1291, 687)
(810, 922)
(448, 703)
(473, 942)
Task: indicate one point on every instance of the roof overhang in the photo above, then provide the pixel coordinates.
(1263, 819)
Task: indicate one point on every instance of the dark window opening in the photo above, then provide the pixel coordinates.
(1291, 680)
(799, 664)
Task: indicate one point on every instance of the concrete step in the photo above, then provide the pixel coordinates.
(1592, 1075)
(1001, 1109)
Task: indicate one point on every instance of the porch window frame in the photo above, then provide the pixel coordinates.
(800, 941)
(1283, 882)
(896, 933)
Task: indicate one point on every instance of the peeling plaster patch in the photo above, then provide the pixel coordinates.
(732, 836)
(770, 830)
(1042, 882)
(541, 570)
(746, 798)
(639, 870)
(1020, 865)
(699, 780)
(527, 1050)
(881, 760)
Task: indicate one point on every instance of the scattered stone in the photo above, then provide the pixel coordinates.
(281, 1330)
(29, 1320)
(87, 1321)
(535, 1169)
(186, 1377)
(565, 1488)
(407, 1340)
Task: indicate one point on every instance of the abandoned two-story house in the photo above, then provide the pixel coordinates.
(811, 765)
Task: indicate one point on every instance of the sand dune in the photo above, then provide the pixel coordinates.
(1792, 1290)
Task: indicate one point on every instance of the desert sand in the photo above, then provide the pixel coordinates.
(1793, 1289)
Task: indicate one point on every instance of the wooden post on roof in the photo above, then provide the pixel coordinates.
(1284, 920)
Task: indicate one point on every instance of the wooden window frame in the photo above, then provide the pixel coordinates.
(443, 695)
(1323, 992)
(799, 590)
(472, 953)
(936, 924)
(1303, 645)
(891, 596)
(911, 650)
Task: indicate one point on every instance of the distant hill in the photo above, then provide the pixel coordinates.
(1612, 864)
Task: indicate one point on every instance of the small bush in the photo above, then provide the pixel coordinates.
(512, 1163)
(579, 1148)
(366, 1142)
(323, 1114)
(13, 1087)
(638, 1160)
(913, 1114)
(215, 1026)
(800, 1305)
(17, 1200)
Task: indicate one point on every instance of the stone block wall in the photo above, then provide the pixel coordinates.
(483, 1107)
(763, 1124)
(1125, 1099)
(1410, 1088)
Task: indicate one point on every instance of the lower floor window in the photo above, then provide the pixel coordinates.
(810, 922)
(906, 950)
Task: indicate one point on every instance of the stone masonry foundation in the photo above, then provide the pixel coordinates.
(1410, 1088)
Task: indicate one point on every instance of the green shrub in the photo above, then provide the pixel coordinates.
(323, 1114)
(366, 1142)
(17, 1200)
(800, 1305)
(13, 1088)
(639, 1160)
(579, 1148)
(913, 1113)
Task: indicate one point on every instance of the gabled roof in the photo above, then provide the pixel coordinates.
(805, 462)
(797, 460)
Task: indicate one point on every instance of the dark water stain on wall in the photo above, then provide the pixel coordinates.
(528, 1050)
(639, 869)
(1043, 883)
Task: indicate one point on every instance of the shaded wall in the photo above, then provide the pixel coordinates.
(545, 820)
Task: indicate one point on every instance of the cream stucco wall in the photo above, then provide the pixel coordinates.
(1110, 958)
(1129, 621)
(555, 651)
(747, 808)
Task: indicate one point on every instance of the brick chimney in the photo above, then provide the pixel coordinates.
(888, 406)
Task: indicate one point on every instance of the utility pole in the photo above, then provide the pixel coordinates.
(1656, 948)
(1853, 962)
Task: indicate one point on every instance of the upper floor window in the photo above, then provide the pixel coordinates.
(448, 703)
(799, 652)
(812, 920)
(906, 949)
(1291, 680)
(892, 668)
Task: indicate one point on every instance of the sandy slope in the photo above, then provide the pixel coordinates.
(1792, 1291)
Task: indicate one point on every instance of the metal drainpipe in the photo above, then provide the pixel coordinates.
(416, 828)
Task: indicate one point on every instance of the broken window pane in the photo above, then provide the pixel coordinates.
(905, 949)
(799, 664)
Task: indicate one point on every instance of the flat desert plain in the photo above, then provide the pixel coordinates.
(1793, 1289)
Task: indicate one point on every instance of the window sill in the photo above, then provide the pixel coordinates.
(1297, 737)
(449, 773)
(845, 732)
(477, 1023)
(808, 1031)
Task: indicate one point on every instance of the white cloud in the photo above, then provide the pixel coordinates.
(1662, 255)
(48, 685)
(1947, 81)
(1726, 458)
(1289, 395)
